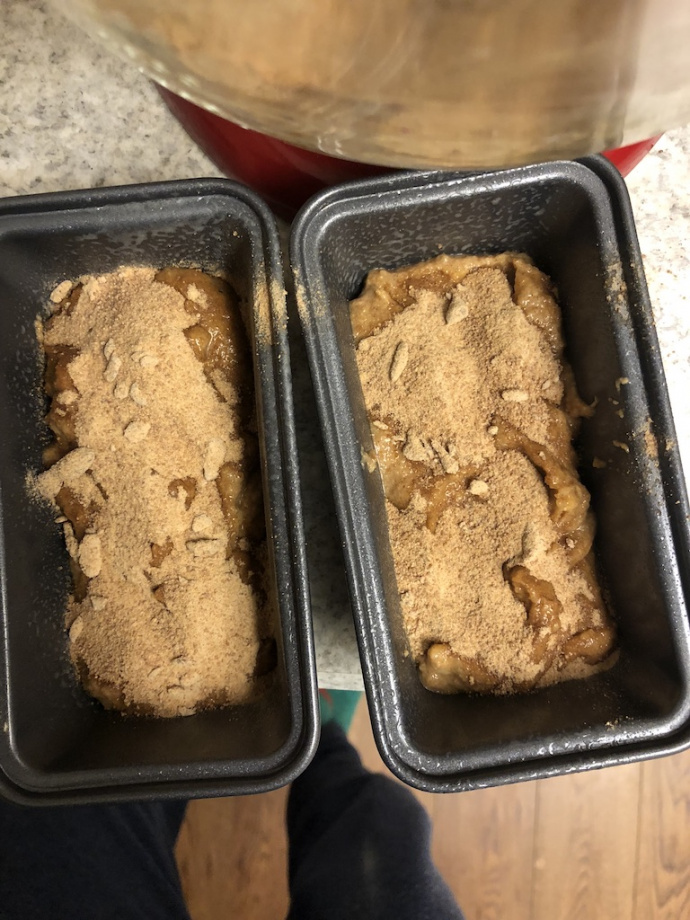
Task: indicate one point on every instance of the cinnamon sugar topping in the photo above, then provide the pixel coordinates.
(155, 472)
(490, 527)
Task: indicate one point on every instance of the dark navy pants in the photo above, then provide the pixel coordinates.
(359, 848)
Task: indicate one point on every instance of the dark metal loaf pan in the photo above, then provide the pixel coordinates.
(57, 744)
(574, 220)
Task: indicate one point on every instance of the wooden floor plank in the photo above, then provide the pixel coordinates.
(483, 845)
(586, 845)
(663, 870)
(232, 857)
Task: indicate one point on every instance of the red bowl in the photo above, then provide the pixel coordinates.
(286, 176)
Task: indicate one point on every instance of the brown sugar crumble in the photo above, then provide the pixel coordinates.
(473, 410)
(154, 473)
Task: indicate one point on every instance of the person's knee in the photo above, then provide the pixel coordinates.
(395, 806)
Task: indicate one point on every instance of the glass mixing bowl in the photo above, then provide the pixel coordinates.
(424, 83)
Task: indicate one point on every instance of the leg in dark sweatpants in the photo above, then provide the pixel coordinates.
(101, 862)
(359, 844)
(359, 847)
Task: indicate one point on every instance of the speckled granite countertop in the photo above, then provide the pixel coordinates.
(73, 116)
